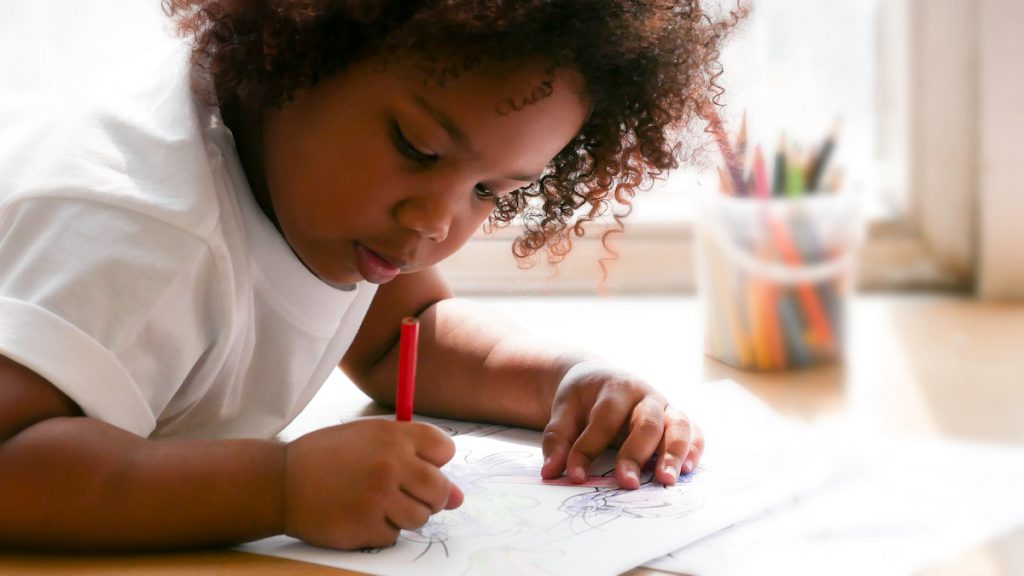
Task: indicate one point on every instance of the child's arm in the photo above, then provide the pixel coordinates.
(473, 367)
(69, 482)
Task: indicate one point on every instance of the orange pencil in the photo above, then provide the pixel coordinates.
(759, 295)
(776, 339)
(812, 305)
(756, 303)
(407, 368)
(771, 329)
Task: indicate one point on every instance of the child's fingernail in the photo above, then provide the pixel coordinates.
(670, 469)
(671, 465)
(631, 474)
(578, 474)
(687, 467)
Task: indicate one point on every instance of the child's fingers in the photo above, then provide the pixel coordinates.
(696, 450)
(676, 446)
(427, 484)
(431, 443)
(646, 427)
(606, 419)
(406, 512)
(379, 535)
(455, 497)
(559, 434)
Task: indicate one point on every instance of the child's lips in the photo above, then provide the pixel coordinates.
(374, 267)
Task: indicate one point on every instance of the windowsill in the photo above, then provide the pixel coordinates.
(657, 255)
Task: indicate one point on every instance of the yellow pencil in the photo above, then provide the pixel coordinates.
(725, 290)
(758, 327)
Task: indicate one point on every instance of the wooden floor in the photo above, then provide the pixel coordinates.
(923, 365)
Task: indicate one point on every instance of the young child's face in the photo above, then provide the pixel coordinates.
(376, 171)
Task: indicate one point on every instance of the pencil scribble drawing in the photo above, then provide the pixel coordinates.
(513, 522)
(491, 510)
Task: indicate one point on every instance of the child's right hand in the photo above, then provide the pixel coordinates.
(357, 485)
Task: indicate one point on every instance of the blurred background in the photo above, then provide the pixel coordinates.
(927, 94)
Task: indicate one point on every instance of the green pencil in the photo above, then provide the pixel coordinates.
(795, 185)
(779, 182)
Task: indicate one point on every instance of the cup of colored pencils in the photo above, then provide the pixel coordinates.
(776, 250)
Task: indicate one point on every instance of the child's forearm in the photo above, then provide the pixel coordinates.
(473, 366)
(81, 484)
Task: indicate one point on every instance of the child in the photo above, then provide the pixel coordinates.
(206, 207)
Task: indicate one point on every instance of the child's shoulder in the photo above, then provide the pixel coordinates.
(102, 111)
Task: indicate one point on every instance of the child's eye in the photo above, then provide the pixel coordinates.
(483, 192)
(407, 149)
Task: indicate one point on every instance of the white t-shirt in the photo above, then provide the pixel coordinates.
(137, 273)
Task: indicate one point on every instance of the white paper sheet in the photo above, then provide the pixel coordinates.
(512, 523)
(902, 507)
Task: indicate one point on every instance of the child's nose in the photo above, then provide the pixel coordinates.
(429, 215)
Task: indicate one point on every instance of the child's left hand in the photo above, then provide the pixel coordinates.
(596, 407)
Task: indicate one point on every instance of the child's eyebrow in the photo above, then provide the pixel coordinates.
(445, 121)
(459, 136)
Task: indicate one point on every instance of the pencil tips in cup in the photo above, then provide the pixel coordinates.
(774, 279)
(779, 180)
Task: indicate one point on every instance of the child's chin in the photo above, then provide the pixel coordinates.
(340, 281)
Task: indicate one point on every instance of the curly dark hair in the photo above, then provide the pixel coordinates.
(649, 66)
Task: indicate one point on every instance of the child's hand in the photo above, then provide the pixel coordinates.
(596, 407)
(356, 485)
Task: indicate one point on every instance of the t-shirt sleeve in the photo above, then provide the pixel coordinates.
(105, 303)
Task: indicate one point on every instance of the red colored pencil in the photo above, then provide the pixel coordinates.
(407, 368)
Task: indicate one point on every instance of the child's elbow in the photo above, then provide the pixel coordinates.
(370, 381)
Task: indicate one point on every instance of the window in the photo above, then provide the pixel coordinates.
(891, 73)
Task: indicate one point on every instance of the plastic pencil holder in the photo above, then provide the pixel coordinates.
(775, 277)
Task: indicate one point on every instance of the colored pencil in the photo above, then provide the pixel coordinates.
(795, 180)
(773, 327)
(407, 369)
(756, 304)
(741, 158)
(817, 169)
(794, 335)
(729, 294)
(732, 163)
(725, 183)
(779, 184)
(816, 315)
(760, 170)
